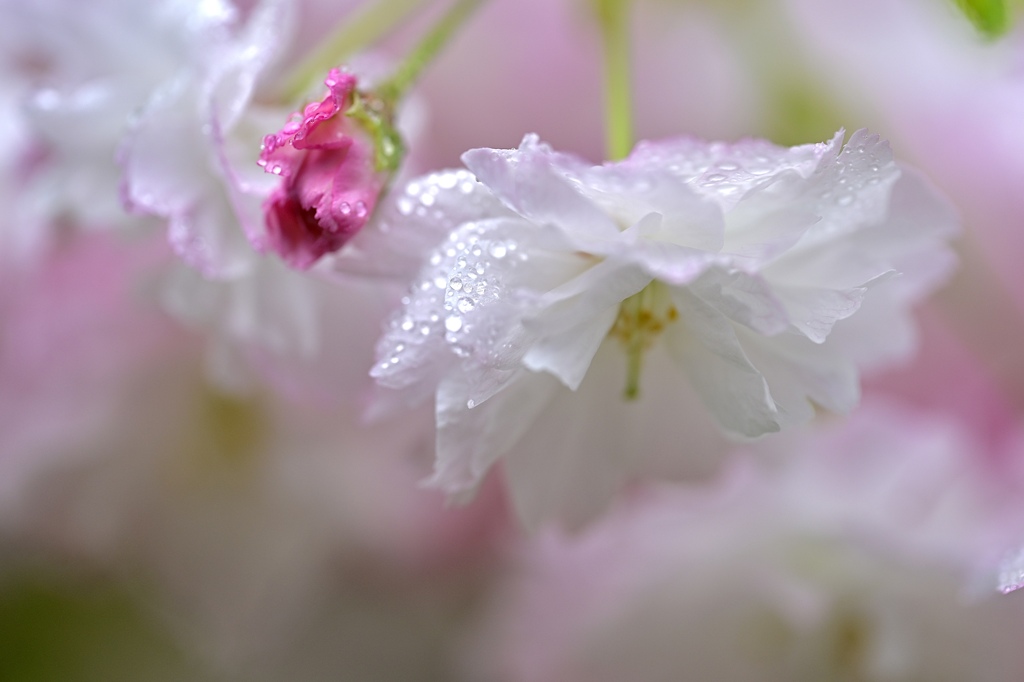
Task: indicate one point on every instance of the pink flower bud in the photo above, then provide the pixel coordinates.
(330, 183)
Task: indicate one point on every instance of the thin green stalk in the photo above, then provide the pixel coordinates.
(375, 19)
(613, 16)
(428, 48)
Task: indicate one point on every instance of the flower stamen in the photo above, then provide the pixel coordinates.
(642, 317)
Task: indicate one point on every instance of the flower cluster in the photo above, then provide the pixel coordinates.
(296, 393)
(748, 262)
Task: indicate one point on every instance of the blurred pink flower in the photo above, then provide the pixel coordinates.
(252, 523)
(855, 555)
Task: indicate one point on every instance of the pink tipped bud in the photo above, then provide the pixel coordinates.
(329, 178)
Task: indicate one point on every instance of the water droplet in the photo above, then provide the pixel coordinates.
(407, 325)
(344, 208)
(447, 181)
(441, 282)
(361, 209)
(455, 283)
(845, 200)
(470, 403)
(453, 323)
(425, 330)
(435, 259)
(497, 250)
(427, 199)
(465, 304)
(714, 178)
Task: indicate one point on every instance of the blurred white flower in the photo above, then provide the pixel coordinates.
(86, 67)
(852, 560)
(745, 259)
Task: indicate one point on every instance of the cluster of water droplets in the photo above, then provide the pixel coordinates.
(453, 304)
(274, 142)
(853, 190)
(728, 171)
(358, 210)
(848, 187)
(426, 198)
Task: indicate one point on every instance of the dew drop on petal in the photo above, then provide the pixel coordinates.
(453, 323)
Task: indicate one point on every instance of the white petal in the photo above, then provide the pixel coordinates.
(628, 192)
(704, 342)
(801, 373)
(471, 439)
(567, 355)
(726, 172)
(744, 298)
(535, 182)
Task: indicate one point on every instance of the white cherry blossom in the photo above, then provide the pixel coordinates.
(770, 276)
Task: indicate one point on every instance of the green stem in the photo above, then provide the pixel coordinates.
(375, 19)
(637, 315)
(613, 15)
(428, 48)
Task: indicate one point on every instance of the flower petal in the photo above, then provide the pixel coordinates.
(705, 343)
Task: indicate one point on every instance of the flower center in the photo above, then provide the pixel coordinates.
(642, 317)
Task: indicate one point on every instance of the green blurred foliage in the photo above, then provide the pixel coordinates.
(990, 17)
(61, 633)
